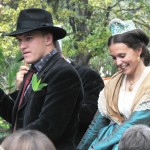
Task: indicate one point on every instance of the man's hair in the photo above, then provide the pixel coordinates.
(136, 137)
(58, 48)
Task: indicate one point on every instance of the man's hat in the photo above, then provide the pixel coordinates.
(35, 19)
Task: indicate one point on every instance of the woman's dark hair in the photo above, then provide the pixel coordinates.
(134, 39)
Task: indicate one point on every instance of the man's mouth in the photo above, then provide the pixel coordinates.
(25, 53)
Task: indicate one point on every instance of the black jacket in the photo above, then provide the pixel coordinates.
(52, 110)
(92, 85)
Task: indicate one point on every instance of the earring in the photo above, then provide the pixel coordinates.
(138, 58)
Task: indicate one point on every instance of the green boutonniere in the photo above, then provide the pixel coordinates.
(36, 84)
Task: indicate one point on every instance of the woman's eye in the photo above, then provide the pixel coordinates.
(114, 58)
(122, 56)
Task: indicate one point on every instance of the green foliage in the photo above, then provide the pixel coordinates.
(4, 124)
(88, 21)
(85, 21)
(4, 128)
(9, 67)
(36, 84)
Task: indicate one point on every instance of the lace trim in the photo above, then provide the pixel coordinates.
(144, 103)
(102, 103)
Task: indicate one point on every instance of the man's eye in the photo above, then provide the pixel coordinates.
(29, 38)
(18, 40)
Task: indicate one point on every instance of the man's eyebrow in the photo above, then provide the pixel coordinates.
(25, 35)
(28, 34)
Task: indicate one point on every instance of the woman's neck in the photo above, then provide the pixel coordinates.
(136, 74)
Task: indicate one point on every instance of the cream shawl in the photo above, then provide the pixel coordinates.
(111, 93)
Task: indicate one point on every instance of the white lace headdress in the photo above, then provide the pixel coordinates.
(117, 26)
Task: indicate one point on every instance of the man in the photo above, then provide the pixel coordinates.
(92, 85)
(53, 106)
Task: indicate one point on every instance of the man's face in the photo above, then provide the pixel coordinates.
(34, 45)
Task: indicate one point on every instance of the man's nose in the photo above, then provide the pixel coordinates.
(23, 45)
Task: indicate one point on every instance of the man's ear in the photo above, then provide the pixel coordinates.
(49, 39)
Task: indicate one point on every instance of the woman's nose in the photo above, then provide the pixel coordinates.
(118, 61)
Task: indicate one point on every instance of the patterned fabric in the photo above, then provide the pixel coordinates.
(43, 61)
(144, 104)
(118, 26)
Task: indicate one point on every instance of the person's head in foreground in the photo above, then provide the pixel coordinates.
(136, 137)
(27, 140)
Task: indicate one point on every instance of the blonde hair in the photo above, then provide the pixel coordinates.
(27, 140)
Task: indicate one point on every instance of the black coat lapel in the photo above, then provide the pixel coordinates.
(41, 74)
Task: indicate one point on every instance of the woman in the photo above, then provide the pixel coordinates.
(125, 100)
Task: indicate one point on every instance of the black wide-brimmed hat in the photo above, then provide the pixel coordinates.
(35, 19)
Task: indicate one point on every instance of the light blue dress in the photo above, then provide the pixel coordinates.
(104, 133)
(110, 135)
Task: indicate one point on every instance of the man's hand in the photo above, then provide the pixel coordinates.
(20, 75)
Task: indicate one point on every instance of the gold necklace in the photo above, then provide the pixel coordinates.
(131, 86)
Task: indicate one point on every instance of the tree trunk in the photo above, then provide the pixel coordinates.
(83, 59)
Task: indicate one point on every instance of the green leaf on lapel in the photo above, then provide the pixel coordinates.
(36, 84)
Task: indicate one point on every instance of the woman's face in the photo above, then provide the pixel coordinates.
(125, 58)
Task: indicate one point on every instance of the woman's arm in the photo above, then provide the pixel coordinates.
(138, 117)
(98, 122)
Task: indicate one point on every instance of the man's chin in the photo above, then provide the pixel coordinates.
(28, 61)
